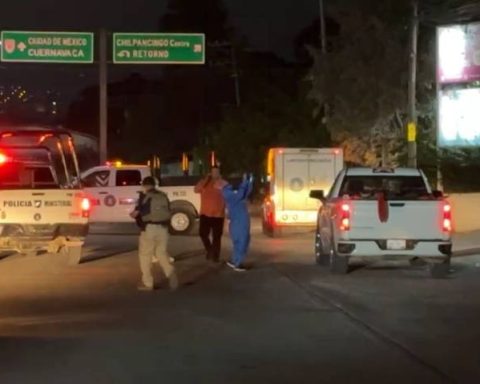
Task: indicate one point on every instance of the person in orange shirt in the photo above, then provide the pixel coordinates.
(212, 214)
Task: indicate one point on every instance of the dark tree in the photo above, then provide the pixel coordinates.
(310, 37)
(195, 95)
(206, 16)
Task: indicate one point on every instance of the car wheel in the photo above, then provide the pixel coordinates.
(338, 264)
(320, 256)
(181, 221)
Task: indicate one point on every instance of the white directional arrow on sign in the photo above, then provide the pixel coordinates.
(125, 54)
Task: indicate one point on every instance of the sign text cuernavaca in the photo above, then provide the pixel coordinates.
(47, 47)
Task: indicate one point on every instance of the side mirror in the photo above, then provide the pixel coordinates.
(317, 194)
(437, 194)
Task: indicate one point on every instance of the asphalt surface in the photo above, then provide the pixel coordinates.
(284, 321)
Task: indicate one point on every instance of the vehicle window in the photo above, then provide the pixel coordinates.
(43, 175)
(15, 176)
(394, 187)
(97, 179)
(127, 178)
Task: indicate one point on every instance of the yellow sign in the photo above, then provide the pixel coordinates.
(412, 132)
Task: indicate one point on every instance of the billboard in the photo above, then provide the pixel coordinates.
(458, 53)
(459, 117)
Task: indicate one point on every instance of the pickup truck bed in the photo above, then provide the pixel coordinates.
(391, 214)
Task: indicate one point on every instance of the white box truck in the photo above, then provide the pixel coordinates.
(291, 174)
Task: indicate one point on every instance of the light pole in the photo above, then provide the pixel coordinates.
(323, 35)
(103, 96)
(412, 84)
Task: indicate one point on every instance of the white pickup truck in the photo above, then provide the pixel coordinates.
(41, 208)
(113, 191)
(386, 213)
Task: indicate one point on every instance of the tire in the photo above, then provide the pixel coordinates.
(321, 258)
(440, 270)
(338, 264)
(74, 254)
(181, 222)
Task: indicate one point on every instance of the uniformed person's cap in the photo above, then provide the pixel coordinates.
(148, 181)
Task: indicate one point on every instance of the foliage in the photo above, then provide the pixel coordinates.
(364, 77)
(272, 118)
(206, 16)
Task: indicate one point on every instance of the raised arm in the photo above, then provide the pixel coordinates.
(200, 187)
(246, 188)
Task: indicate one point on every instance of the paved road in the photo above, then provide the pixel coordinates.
(285, 321)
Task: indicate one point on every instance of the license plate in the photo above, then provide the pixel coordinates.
(396, 245)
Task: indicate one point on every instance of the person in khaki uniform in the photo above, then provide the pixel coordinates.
(154, 211)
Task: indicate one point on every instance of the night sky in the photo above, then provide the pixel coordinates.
(268, 24)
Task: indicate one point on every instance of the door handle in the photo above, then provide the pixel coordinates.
(38, 194)
(397, 204)
(102, 193)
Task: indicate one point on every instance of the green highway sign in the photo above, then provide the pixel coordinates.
(47, 47)
(158, 48)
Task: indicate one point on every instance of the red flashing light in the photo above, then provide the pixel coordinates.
(447, 218)
(345, 224)
(7, 134)
(336, 151)
(270, 211)
(85, 207)
(3, 158)
(345, 217)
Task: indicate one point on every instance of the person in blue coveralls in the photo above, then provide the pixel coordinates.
(239, 227)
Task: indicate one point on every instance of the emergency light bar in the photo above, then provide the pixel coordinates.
(3, 158)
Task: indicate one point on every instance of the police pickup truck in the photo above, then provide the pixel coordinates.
(113, 191)
(383, 213)
(41, 209)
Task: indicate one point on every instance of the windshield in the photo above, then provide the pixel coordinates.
(394, 187)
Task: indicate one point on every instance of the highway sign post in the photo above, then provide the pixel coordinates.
(47, 47)
(78, 47)
(159, 48)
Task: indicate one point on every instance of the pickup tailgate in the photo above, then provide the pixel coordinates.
(41, 206)
(415, 220)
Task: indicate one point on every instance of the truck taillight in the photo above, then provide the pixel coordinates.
(447, 218)
(345, 217)
(3, 158)
(85, 207)
(270, 211)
